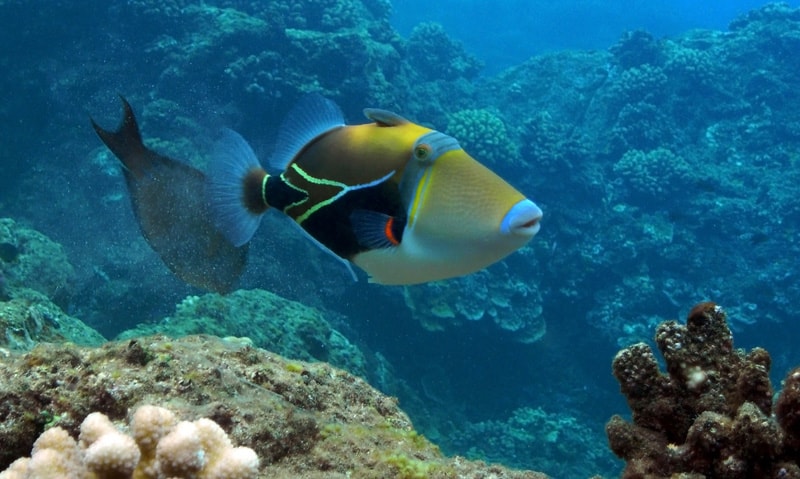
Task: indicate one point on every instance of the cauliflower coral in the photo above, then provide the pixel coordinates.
(158, 446)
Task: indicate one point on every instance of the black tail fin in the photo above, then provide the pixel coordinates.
(168, 200)
(126, 142)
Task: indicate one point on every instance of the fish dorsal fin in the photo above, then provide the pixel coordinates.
(311, 117)
(384, 117)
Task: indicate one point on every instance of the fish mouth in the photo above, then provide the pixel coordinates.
(523, 219)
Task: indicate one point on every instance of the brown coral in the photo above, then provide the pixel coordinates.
(711, 414)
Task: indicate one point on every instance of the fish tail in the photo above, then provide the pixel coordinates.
(235, 185)
(126, 142)
(173, 217)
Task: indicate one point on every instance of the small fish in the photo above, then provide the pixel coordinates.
(403, 202)
(173, 215)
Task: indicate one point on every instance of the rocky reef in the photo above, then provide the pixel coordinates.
(302, 419)
(36, 283)
(712, 414)
(30, 260)
(282, 326)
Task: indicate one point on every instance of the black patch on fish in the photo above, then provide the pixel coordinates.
(280, 195)
(332, 226)
(168, 201)
(9, 252)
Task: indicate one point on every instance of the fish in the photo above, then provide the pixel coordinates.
(171, 210)
(403, 202)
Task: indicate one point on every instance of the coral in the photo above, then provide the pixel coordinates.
(433, 55)
(636, 48)
(695, 68)
(711, 413)
(644, 83)
(304, 420)
(198, 449)
(548, 145)
(483, 135)
(32, 260)
(555, 436)
(510, 304)
(653, 174)
(286, 327)
(642, 126)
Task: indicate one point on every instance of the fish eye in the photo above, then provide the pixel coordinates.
(422, 152)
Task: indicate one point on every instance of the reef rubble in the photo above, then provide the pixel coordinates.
(712, 414)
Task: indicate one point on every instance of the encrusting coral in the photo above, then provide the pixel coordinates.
(712, 414)
(158, 447)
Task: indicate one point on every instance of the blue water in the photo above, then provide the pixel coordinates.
(667, 173)
(506, 33)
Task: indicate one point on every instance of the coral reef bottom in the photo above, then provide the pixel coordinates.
(302, 420)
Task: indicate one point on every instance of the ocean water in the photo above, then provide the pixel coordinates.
(506, 33)
(666, 163)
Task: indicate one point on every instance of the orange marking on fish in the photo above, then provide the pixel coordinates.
(387, 230)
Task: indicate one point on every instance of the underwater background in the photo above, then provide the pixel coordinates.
(662, 143)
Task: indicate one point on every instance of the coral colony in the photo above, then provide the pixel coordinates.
(712, 414)
(159, 446)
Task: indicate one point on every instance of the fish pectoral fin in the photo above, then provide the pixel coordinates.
(375, 230)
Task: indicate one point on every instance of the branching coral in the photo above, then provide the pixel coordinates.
(711, 415)
(157, 448)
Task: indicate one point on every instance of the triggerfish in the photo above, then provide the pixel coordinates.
(403, 202)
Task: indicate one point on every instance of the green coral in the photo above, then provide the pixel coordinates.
(636, 48)
(483, 134)
(653, 174)
(690, 66)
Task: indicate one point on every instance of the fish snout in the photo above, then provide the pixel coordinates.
(522, 219)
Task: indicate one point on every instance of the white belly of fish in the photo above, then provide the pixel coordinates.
(418, 261)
